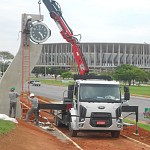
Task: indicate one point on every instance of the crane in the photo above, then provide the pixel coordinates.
(66, 32)
(90, 104)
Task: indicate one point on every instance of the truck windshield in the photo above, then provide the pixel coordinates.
(100, 93)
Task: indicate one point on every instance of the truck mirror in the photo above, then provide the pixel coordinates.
(126, 89)
(70, 87)
(70, 94)
(126, 93)
(75, 90)
(126, 96)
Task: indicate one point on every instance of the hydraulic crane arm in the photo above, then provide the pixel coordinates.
(66, 32)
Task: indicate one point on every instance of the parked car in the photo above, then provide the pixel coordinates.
(31, 81)
(36, 83)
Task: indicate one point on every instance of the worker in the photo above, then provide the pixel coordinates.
(13, 101)
(34, 108)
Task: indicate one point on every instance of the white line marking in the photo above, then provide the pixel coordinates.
(136, 141)
(74, 143)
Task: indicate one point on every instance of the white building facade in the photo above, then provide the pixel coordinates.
(99, 56)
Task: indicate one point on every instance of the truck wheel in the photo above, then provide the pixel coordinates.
(73, 133)
(57, 121)
(115, 134)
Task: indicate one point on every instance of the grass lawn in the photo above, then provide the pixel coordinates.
(141, 125)
(6, 126)
(52, 82)
(139, 90)
(55, 82)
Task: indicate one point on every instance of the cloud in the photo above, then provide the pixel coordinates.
(96, 20)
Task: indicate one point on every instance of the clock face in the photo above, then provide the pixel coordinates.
(39, 32)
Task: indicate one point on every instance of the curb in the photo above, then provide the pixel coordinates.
(74, 143)
(131, 139)
(145, 96)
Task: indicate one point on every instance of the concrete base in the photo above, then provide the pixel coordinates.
(13, 75)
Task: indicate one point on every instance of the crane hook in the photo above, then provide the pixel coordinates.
(39, 2)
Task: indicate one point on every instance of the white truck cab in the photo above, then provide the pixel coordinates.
(96, 106)
(93, 105)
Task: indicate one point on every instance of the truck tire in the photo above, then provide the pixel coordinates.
(73, 133)
(115, 134)
(57, 121)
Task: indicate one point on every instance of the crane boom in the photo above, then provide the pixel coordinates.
(66, 32)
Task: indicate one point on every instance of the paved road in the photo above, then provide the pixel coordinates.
(56, 92)
(53, 92)
(142, 103)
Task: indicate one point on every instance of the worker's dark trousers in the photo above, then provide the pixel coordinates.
(30, 111)
(12, 106)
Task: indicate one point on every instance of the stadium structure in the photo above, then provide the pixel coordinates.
(99, 56)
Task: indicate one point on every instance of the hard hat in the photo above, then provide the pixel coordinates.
(12, 88)
(31, 95)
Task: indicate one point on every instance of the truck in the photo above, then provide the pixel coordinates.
(92, 103)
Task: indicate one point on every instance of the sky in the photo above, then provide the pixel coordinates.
(114, 21)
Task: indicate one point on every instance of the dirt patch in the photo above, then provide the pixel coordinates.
(144, 136)
(29, 137)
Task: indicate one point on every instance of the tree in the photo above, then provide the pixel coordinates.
(124, 73)
(140, 75)
(66, 75)
(4, 64)
(128, 73)
(42, 70)
(7, 55)
(148, 76)
(38, 70)
(57, 71)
